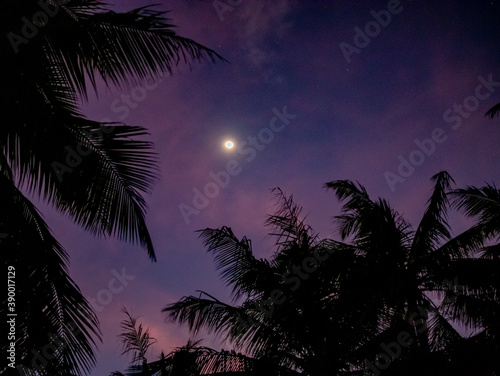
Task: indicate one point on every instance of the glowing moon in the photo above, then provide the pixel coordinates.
(229, 144)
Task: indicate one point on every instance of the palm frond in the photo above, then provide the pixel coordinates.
(482, 203)
(193, 360)
(493, 111)
(441, 332)
(376, 228)
(247, 326)
(223, 362)
(93, 172)
(466, 244)
(490, 252)
(51, 308)
(135, 338)
(232, 363)
(288, 224)
(433, 227)
(122, 48)
(234, 258)
(358, 202)
(211, 314)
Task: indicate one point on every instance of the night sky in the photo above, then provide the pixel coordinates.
(314, 91)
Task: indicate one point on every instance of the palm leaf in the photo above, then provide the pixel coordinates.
(433, 227)
(211, 314)
(358, 201)
(441, 332)
(234, 258)
(289, 227)
(120, 47)
(463, 245)
(493, 111)
(48, 302)
(135, 338)
(482, 203)
(102, 189)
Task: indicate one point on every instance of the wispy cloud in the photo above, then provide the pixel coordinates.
(260, 23)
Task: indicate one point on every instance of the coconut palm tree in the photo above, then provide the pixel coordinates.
(388, 297)
(289, 314)
(407, 271)
(96, 173)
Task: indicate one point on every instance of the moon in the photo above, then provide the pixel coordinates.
(229, 144)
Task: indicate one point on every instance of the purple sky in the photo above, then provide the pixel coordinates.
(353, 121)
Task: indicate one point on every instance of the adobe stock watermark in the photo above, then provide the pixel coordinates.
(115, 286)
(225, 6)
(362, 38)
(390, 352)
(39, 19)
(131, 100)
(221, 179)
(426, 147)
(122, 107)
(393, 350)
(51, 350)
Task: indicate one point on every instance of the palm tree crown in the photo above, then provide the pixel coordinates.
(96, 173)
(324, 307)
